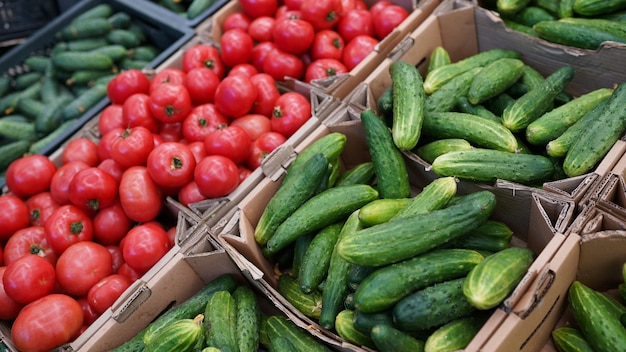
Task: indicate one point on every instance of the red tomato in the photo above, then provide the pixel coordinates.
(92, 189)
(14, 215)
(202, 120)
(190, 193)
(171, 164)
(132, 147)
(387, 19)
(204, 55)
(171, 132)
(29, 175)
(258, 8)
(197, 148)
(171, 236)
(105, 292)
(216, 176)
(111, 224)
(267, 94)
(129, 272)
(293, 35)
(283, 12)
(323, 68)
(170, 103)
(112, 168)
(83, 149)
(60, 184)
(104, 147)
(357, 50)
(322, 14)
(259, 52)
(236, 47)
(41, 205)
(293, 4)
(232, 142)
(327, 44)
(280, 64)
(127, 83)
(291, 112)
(235, 96)
(117, 258)
(144, 246)
(378, 6)
(136, 112)
(261, 28)
(201, 83)
(168, 75)
(81, 266)
(139, 195)
(262, 146)
(28, 278)
(9, 308)
(253, 124)
(47, 323)
(243, 68)
(29, 240)
(89, 314)
(67, 225)
(111, 117)
(236, 20)
(244, 172)
(354, 23)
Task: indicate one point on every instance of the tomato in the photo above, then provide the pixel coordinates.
(258, 8)
(47, 323)
(244, 172)
(117, 258)
(323, 68)
(235, 96)
(136, 112)
(89, 315)
(387, 19)
(232, 142)
(28, 278)
(216, 176)
(357, 50)
(139, 195)
(261, 28)
(60, 184)
(92, 189)
(168, 75)
(267, 94)
(104, 146)
(132, 147)
(293, 4)
(111, 224)
(293, 35)
(236, 20)
(170, 103)
(202, 120)
(83, 149)
(29, 175)
(259, 52)
(360, 4)
(171, 132)
(171, 235)
(67, 225)
(82, 265)
(244, 68)
(9, 308)
(262, 146)
(144, 246)
(253, 124)
(127, 83)
(204, 55)
(112, 168)
(190, 193)
(327, 44)
(105, 292)
(280, 64)
(197, 149)
(111, 117)
(29, 240)
(322, 14)
(171, 164)
(14, 215)
(283, 13)
(354, 23)
(201, 83)
(379, 6)
(40, 206)
(236, 47)
(291, 112)
(129, 272)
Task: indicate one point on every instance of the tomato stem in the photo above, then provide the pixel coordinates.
(76, 227)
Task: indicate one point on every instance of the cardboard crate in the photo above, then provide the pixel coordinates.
(341, 85)
(539, 226)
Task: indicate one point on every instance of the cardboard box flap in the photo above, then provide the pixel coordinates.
(573, 187)
(549, 214)
(601, 259)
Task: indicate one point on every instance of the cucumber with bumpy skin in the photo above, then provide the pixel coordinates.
(434, 196)
(439, 57)
(409, 102)
(220, 320)
(455, 335)
(446, 97)
(494, 79)
(381, 210)
(569, 339)
(430, 151)
(316, 260)
(344, 325)
(308, 303)
(389, 339)
(571, 34)
(248, 318)
(301, 340)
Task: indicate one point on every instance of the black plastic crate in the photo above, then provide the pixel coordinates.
(159, 9)
(20, 18)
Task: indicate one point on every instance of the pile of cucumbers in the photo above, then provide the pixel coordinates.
(189, 9)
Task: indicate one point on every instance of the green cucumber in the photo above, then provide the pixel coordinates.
(463, 105)
(365, 322)
(85, 101)
(389, 339)
(308, 303)
(348, 303)
(494, 79)
(281, 344)
(82, 60)
(86, 44)
(26, 79)
(385, 101)
(53, 136)
(491, 236)
(12, 151)
(182, 336)
(598, 7)
(434, 196)
(569, 339)
(103, 10)
(566, 8)
(614, 27)
(115, 51)
(248, 319)
(571, 34)
(330, 145)
(95, 27)
(510, 7)
(220, 319)
(30, 107)
(409, 102)
(430, 151)
(446, 97)
(530, 15)
(316, 260)
(17, 130)
(300, 247)
(498, 104)
(119, 20)
(144, 52)
(301, 340)
(123, 37)
(381, 210)
(196, 7)
(439, 57)
(344, 325)
(455, 335)
(362, 173)
(37, 63)
(357, 274)
(8, 103)
(52, 117)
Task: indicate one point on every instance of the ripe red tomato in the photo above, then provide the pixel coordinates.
(47, 323)
(322, 14)
(258, 8)
(293, 35)
(204, 55)
(324, 68)
(105, 292)
(41, 205)
(216, 176)
(261, 28)
(29, 278)
(129, 272)
(144, 246)
(232, 142)
(171, 164)
(83, 149)
(139, 195)
(197, 148)
(202, 120)
(236, 47)
(29, 175)
(262, 146)
(201, 83)
(9, 308)
(190, 193)
(267, 94)
(283, 12)
(104, 146)
(81, 266)
(168, 75)
(136, 112)
(67, 225)
(117, 257)
(354, 23)
(112, 168)
(92, 189)
(244, 68)
(127, 83)
(327, 44)
(111, 224)
(253, 124)
(170, 103)
(259, 52)
(29, 240)
(171, 235)
(235, 96)
(280, 64)
(171, 132)
(378, 6)
(89, 315)
(236, 20)
(291, 112)
(293, 4)
(60, 184)
(132, 147)
(244, 172)
(387, 19)
(357, 50)
(14, 215)
(111, 117)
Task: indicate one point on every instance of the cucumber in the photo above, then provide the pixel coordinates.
(291, 194)
(455, 335)
(30, 107)
(476, 130)
(220, 319)
(430, 151)
(381, 210)
(492, 280)
(123, 37)
(463, 105)
(385, 101)
(17, 130)
(348, 303)
(103, 10)
(37, 63)
(530, 15)
(446, 97)
(299, 250)
(26, 79)
(391, 174)
(53, 136)
(409, 102)
(316, 259)
(9, 102)
(301, 340)
(115, 51)
(494, 79)
(281, 344)
(498, 104)
(510, 7)
(52, 117)
(491, 236)
(598, 7)
(86, 44)
(309, 303)
(549, 5)
(362, 173)
(357, 274)
(388, 285)
(248, 318)
(330, 145)
(82, 60)
(569, 339)
(12, 151)
(95, 27)
(389, 339)
(344, 325)
(566, 8)
(439, 57)
(613, 27)
(119, 20)
(432, 306)
(434, 196)
(196, 7)
(86, 77)
(181, 335)
(144, 52)
(402, 239)
(365, 322)
(570, 34)
(84, 102)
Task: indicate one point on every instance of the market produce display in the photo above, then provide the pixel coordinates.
(190, 9)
